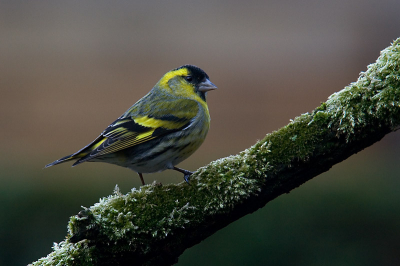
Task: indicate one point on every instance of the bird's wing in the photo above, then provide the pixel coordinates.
(131, 130)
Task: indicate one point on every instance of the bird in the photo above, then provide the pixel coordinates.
(159, 131)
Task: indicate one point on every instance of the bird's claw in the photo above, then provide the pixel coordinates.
(187, 177)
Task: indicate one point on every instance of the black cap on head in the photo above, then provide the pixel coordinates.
(197, 73)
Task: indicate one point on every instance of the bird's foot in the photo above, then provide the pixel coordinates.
(186, 173)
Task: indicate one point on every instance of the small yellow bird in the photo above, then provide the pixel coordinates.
(160, 130)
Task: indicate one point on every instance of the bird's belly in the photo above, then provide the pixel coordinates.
(162, 155)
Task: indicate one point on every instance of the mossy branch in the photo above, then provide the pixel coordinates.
(155, 224)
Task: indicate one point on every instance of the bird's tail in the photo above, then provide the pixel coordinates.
(63, 160)
(82, 155)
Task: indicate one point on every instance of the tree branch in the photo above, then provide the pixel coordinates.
(154, 225)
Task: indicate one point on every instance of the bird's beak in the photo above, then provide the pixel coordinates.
(206, 85)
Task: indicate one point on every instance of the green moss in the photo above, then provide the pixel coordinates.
(374, 96)
(153, 212)
(69, 254)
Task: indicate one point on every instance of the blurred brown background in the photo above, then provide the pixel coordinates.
(69, 68)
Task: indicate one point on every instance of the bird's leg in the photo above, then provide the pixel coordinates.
(186, 173)
(141, 178)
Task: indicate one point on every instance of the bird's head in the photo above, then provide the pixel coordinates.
(187, 81)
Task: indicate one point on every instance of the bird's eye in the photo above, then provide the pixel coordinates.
(189, 78)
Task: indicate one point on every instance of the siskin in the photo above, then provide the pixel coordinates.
(160, 130)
